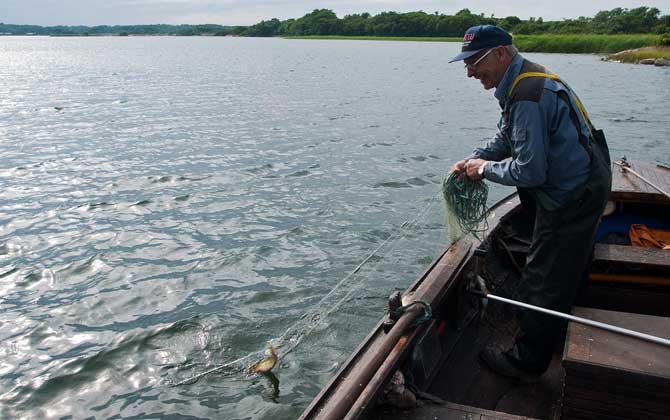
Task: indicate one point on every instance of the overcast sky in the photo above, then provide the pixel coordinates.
(246, 12)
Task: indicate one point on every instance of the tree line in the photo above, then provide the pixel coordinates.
(641, 20)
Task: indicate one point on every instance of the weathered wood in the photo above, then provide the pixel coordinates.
(592, 346)
(618, 254)
(626, 186)
(445, 411)
(626, 299)
(622, 254)
(342, 391)
(613, 376)
(336, 401)
(577, 387)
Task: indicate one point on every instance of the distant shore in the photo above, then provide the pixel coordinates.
(629, 48)
(656, 55)
(554, 43)
(379, 38)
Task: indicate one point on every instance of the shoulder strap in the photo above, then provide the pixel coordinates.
(581, 108)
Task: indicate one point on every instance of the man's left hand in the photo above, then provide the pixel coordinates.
(472, 168)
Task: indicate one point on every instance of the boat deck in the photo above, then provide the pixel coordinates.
(630, 187)
(441, 359)
(444, 410)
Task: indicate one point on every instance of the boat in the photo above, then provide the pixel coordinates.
(594, 374)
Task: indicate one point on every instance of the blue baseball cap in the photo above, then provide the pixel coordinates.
(481, 37)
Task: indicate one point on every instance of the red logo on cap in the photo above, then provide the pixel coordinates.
(469, 37)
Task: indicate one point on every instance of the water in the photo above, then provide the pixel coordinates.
(169, 205)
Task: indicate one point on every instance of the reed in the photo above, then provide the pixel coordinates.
(551, 43)
(380, 38)
(635, 55)
(583, 43)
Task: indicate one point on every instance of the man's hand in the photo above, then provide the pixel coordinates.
(472, 168)
(459, 167)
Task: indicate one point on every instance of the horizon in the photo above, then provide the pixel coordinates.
(246, 13)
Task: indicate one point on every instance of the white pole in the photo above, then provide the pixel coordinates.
(585, 321)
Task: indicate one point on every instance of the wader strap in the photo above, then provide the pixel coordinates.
(583, 140)
(542, 197)
(585, 115)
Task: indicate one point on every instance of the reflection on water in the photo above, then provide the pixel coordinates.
(170, 205)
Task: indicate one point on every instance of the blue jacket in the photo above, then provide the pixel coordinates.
(537, 132)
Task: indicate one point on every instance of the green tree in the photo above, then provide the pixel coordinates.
(319, 22)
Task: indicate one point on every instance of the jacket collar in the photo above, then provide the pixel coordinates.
(508, 78)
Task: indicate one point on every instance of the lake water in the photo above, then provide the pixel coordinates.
(170, 205)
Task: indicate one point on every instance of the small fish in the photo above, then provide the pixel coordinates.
(265, 365)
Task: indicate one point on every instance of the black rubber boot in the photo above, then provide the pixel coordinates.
(501, 364)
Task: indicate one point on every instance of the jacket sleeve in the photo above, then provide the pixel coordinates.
(529, 136)
(496, 149)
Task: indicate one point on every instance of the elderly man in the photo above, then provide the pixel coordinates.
(546, 146)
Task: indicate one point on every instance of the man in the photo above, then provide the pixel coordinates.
(560, 165)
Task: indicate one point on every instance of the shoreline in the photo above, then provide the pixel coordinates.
(376, 38)
(631, 48)
(546, 43)
(656, 55)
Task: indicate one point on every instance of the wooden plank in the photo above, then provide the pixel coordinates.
(626, 299)
(618, 254)
(647, 257)
(583, 413)
(626, 186)
(607, 350)
(444, 411)
(584, 384)
(613, 408)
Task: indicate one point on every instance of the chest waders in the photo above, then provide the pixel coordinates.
(563, 235)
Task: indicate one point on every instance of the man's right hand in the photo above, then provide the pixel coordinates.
(459, 167)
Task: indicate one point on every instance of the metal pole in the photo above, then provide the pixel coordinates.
(608, 327)
(651, 184)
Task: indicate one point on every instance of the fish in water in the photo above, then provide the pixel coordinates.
(265, 365)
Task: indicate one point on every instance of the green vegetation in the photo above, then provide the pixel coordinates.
(556, 43)
(641, 20)
(636, 55)
(583, 43)
(381, 38)
(608, 31)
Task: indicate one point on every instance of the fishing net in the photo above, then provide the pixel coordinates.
(465, 201)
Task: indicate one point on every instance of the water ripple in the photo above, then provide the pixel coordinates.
(172, 204)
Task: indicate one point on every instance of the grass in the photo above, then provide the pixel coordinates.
(635, 55)
(553, 43)
(380, 38)
(583, 43)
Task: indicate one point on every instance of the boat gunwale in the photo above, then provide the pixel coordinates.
(326, 393)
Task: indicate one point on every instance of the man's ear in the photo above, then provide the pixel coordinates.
(503, 55)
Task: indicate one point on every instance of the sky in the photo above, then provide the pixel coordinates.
(248, 12)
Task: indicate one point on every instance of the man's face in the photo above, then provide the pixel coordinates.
(485, 67)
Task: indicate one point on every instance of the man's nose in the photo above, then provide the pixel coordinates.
(471, 72)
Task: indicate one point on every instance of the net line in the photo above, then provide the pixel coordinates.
(310, 320)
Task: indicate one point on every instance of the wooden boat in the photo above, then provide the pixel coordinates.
(595, 374)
